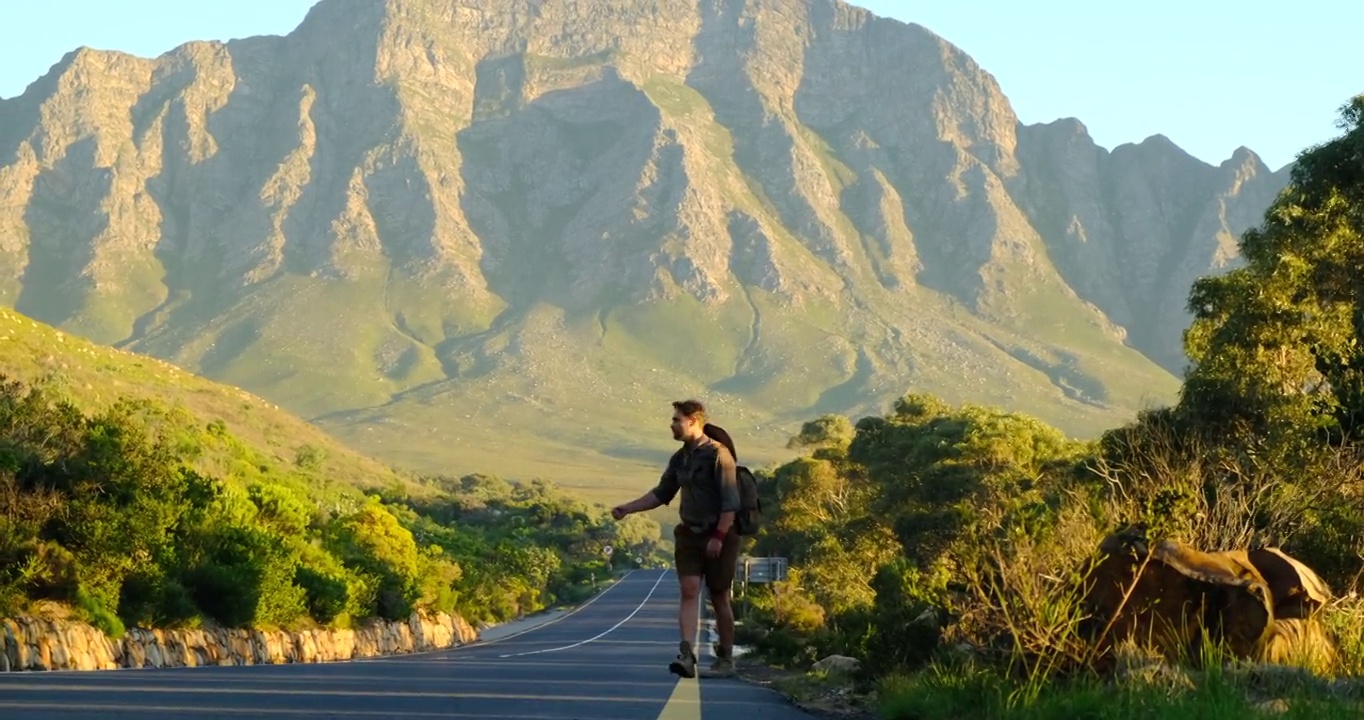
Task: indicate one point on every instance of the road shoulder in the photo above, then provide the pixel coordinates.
(825, 697)
(501, 631)
(512, 627)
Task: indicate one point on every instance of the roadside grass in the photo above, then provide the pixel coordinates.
(959, 693)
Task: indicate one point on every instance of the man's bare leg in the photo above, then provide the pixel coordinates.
(687, 618)
(724, 619)
(724, 626)
(688, 610)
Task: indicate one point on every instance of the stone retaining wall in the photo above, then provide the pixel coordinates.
(32, 643)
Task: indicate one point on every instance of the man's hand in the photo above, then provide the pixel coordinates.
(619, 512)
(714, 547)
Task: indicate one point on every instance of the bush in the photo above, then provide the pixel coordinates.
(991, 518)
(246, 579)
(149, 598)
(327, 594)
(106, 512)
(372, 542)
(96, 610)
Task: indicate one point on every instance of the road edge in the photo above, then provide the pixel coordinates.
(547, 620)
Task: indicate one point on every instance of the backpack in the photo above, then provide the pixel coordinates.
(749, 517)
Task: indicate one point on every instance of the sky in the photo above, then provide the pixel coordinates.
(1211, 75)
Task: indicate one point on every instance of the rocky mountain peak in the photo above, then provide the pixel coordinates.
(407, 208)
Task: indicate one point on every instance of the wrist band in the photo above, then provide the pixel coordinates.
(717, 534)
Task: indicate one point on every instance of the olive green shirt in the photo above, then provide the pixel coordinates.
(706, 479)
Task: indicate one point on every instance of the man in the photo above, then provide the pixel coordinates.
(706, 545)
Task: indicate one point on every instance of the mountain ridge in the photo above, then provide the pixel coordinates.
(436, 229)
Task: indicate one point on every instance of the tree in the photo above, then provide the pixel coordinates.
(1276, 344)
(828, 431)
(947, 477)
(373, 542)
(1275, 391)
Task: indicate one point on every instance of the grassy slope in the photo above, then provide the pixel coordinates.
(596, 421)
(93, 376)
(333, 345)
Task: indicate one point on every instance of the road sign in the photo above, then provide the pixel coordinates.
(763, 569)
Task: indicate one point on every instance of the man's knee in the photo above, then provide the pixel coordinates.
(690, 586)
(719, 598)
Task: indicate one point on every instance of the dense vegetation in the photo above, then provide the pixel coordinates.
(941, 545)
(112, 512)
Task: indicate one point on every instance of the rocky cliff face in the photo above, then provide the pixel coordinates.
(1132, 229)
(407, 213)
(34, 643)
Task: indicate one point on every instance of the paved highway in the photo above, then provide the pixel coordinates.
(606, 660)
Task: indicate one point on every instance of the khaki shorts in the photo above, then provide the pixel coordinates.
(690, 555)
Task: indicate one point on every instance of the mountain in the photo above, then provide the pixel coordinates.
(500, 235)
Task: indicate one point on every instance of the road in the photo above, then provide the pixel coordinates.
(608, 659)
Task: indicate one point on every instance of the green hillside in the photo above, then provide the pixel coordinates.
(267, 439)
(139, 494)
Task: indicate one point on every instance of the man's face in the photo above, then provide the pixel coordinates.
(681, 426)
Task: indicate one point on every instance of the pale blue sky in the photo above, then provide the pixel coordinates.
(1209, 74)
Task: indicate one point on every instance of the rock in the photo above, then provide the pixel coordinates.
(1273, 707)
(44, 644)
(837, 663)
(1266, 601)
(1156, 674)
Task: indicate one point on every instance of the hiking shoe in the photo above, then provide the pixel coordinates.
(685, 664)
(723, 667)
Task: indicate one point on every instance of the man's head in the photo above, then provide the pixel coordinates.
(689, 419)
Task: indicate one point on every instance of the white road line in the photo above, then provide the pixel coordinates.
(608, 631)
(547, 623)
(454, 650)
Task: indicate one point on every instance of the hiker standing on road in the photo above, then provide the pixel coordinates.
(703, 470)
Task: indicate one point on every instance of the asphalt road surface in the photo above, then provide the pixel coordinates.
(606, 660)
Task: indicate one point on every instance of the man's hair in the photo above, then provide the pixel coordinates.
(691, 409)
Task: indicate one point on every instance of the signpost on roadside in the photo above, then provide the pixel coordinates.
(759, 570)
(763, 569)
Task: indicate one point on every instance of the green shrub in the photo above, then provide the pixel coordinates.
(246, 578)
(326, 594)
(96, 610)
(104, 511)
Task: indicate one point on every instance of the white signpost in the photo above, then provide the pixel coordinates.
(759, 570)
(764, 569)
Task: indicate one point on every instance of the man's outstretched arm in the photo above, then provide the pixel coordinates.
(662, 494)
(647, 501)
